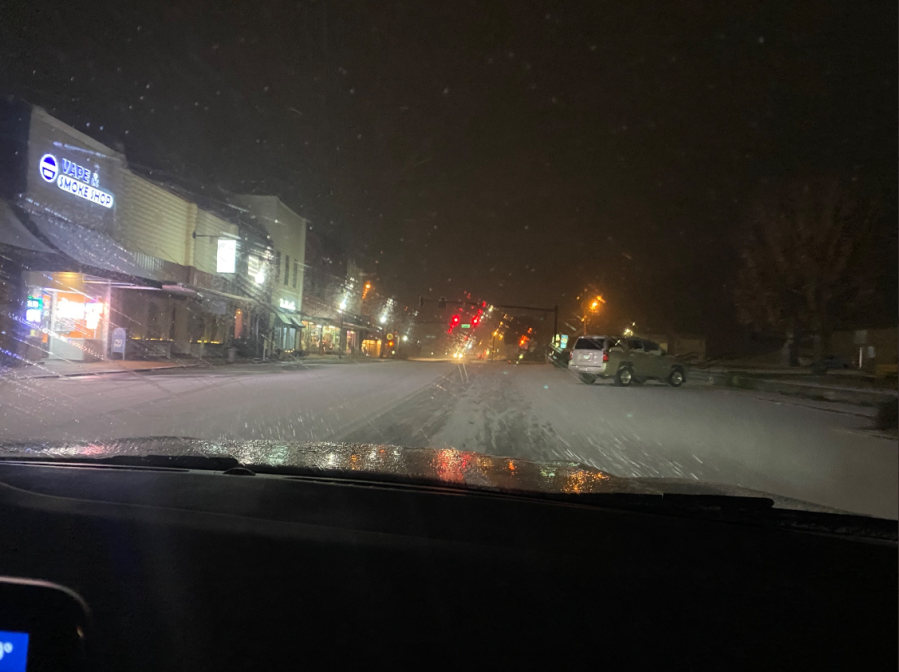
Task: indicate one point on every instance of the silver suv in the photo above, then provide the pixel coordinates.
(627, 359)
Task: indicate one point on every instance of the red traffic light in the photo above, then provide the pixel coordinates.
(476, 320)
(455, 320)
(390, 344)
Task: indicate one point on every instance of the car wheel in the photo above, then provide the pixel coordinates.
(676, 377)
(586, 378)
(624, 377)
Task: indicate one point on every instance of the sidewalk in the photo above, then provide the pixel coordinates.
(848, 377)
(58, 368)
(847, 389)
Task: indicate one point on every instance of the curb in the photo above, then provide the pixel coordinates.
(82, 374)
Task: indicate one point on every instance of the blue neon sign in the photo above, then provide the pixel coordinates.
(49, 167)
(74, 179)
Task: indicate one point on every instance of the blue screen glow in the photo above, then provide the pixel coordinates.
(13, 651)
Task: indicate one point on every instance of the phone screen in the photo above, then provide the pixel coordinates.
(13, 651)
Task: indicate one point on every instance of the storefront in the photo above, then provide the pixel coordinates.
(67, 316)
(320, 338)
(371, 347)
(287, 326)
(286, 334)
(57, 223)
(352, 341)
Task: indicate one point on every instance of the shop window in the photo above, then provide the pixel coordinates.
(154, 330)
(238, 324)
(197, 328)
(286, 269)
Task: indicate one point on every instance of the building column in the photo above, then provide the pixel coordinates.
(13, 295)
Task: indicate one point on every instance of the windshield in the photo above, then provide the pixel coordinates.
(278, 224)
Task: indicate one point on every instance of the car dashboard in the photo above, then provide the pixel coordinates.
(183, 569)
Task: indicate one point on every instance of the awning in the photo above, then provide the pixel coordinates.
(284, 319)
(90, 247)
(15, 234)
(234, 297)
(298, 321)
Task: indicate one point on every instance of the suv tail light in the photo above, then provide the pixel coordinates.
(605, 357)
(570, 356)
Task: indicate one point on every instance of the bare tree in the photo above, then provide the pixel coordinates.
(807, 259)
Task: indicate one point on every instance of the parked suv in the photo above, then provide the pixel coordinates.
(627, 359)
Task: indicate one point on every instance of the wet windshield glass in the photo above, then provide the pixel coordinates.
(285, 223)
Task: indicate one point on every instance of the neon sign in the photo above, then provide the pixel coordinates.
(34, 309)
(69, 310)
(74, 179)
(92, 314)
(48, 167)
(286, 303)
(89, 313)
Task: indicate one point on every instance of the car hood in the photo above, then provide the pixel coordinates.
(374, 462)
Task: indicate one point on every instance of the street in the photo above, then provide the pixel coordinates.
(532, 411)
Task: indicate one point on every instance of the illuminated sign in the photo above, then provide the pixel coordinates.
(92, 314)
(226, 258)
(74, 179)
(289, 305)
(48, 167)
(89, 313)
(69, 310)
(34, 309)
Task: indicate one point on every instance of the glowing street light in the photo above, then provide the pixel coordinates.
(593, 308)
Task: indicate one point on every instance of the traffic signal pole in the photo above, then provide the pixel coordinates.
(442, 303)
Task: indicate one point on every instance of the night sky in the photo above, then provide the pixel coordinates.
(516, 150)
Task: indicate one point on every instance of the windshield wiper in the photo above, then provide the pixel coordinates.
(749, 510)
(182, 462)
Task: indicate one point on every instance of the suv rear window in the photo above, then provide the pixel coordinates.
(590, 344)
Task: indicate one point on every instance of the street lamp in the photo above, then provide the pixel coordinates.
(594, 308)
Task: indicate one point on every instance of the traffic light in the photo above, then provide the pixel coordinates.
(476, 320)
(391, 343)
